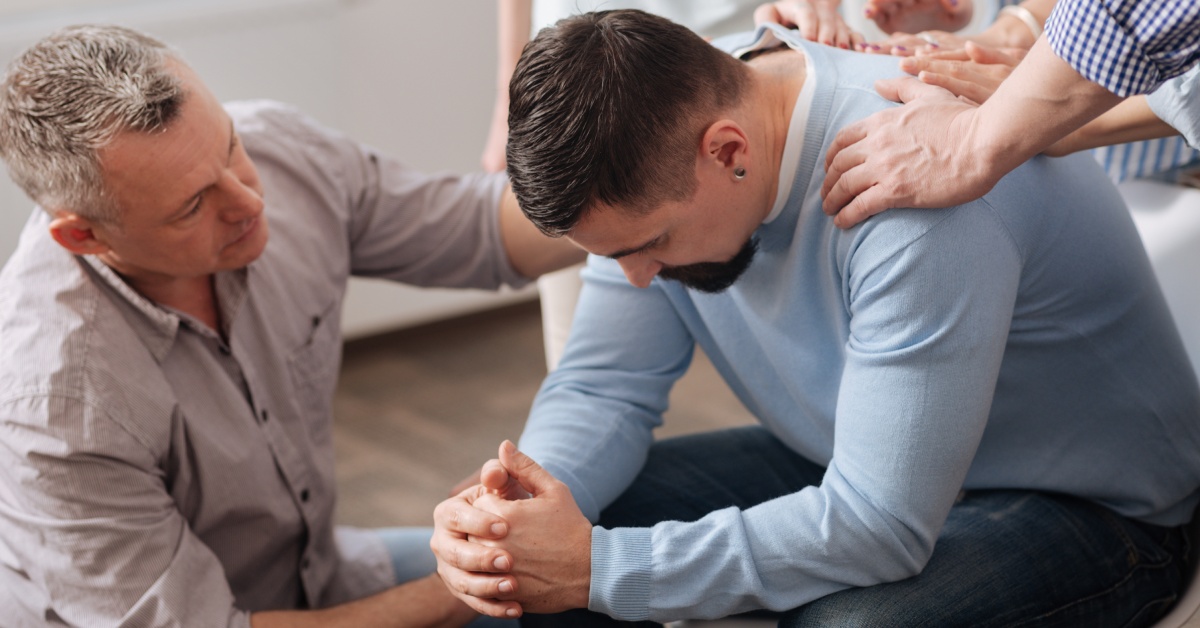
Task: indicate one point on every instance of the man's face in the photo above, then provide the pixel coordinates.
(190, 198)
(704, 242)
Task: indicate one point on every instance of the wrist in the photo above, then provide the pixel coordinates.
(1008, 31)
(993, 150)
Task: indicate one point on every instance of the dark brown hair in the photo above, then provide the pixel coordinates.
(610, 107)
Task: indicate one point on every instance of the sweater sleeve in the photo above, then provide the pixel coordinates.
(592, 422)
(1177, 103)
(930, 309)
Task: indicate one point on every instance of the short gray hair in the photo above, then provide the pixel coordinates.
(67, 96)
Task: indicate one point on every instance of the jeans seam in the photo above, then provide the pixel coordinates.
(1138, 563)
(1117, 585)
(1170, 600)
(1115, 523)
(1137, 557)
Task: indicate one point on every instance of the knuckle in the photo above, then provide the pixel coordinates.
(843, 186)
(485, 561)
(454, 556)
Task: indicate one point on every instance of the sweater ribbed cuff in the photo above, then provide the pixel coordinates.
(621, 562)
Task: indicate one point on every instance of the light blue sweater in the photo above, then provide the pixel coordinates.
(1177, 103)
(1019, 341)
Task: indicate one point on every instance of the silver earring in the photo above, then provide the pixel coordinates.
(739, 173)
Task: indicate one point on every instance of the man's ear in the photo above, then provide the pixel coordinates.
(76, 234)
(725, 143)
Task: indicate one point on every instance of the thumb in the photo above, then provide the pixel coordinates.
(494, 476)
(531, 476)
(906, 89)
(767, 14)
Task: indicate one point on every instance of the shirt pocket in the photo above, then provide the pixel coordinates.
(314, 369)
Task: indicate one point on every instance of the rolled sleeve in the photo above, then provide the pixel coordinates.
(431, 230)
(86, 516)
(1126, 47)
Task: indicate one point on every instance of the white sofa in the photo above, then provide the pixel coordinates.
(1168, 217)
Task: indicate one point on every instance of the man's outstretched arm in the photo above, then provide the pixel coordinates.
(423, 603)
(531, 252)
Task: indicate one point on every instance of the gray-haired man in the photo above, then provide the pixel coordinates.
(165, 399)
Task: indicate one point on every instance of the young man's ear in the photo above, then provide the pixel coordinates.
(726, 144)
(76, 234)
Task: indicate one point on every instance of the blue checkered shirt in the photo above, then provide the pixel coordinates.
(1129, 47)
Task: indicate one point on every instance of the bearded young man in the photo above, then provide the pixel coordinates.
(978, 415)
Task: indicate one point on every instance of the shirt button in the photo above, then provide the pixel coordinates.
(304, 495)
(225, 350)
(304, 564)
(264, 415)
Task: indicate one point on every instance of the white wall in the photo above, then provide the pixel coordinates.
(414, 78)
(421, 79)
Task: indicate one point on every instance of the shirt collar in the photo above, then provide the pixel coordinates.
(792, 146)
(160, 325)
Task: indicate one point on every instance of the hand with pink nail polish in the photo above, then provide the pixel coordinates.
(925, 43)
(974, 73)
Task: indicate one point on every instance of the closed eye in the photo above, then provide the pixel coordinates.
(655, 243)
(194, 209)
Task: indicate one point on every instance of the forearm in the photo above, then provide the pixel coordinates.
(419, 604)
(1130, 121)
(1042, 101)
(531, 252)
(593, 420)
(512, 35)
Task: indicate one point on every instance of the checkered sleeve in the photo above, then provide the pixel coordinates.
(1127, 46)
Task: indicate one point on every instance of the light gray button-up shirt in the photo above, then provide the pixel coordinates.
(152, 474)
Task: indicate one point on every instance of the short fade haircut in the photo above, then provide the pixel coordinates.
(67, 96)
(610, 108)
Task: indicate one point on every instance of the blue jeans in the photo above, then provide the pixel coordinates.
(1004, 557)
(412, 559)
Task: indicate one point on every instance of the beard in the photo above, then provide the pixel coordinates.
(713, 277)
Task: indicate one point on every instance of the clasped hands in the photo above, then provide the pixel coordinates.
(514, 543)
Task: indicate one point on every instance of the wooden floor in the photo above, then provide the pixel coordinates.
(419, 409)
